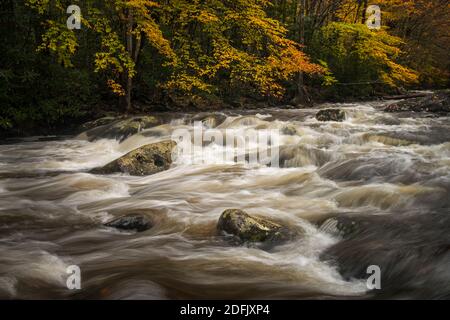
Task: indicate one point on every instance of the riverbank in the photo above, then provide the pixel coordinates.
(73, 126)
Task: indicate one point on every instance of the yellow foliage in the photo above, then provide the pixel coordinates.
(236, 47)
(115, 87)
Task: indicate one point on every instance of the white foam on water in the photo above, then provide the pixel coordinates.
(116, 190)
(31, 268)
(188, 199)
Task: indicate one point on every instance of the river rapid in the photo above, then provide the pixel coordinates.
(389, 172)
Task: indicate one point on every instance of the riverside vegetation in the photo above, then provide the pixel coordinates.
(142, 56)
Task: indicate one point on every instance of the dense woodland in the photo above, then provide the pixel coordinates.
(133, 56)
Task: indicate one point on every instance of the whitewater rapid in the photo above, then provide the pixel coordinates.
(52, 210)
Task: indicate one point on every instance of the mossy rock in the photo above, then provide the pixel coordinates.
(210, 120)
(331, 115)
(120, 129)
(146, 160)
(396, 107)
(251, 229)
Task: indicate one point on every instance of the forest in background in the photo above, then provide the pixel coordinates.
(134, 56)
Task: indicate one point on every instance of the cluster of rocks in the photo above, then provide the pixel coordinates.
(146, 160)
(153, 158)
(238, 227)
(336, 115)
(241, 228)
(234, 225)
(438, 103)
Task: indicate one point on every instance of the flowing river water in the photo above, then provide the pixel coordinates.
(390, 172)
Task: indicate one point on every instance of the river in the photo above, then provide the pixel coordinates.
(389, 171)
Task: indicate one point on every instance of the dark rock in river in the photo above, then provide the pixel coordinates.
(119, 129)
(412, 252)
(146, 160)
(289, 130)
(251, 229)
(397, 107)
(433, 103)
(130, 222)
(331, 115)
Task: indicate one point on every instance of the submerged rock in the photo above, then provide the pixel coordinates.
(136, 222)
(289, 130)
(343, 227)
(386, 139)
(251, 229)
(292, 156)
(331, 115)
(412, 252)
(146, 160)
(119, 129)
(210, 120)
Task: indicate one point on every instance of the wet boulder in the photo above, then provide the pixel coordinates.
(289, 130)
(135, 222)
(146, 160)
(330, 115)
(437, 103)
(120, 129)
(252, 229)
(397, 107)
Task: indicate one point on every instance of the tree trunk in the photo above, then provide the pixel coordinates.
(129, 86)
(364, 12)
(137, 49)
(357, 11)
(283, 11)
(302, 94)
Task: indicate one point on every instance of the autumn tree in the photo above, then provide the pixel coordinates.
(120, 26)
(303, 18)
(226, 46)
(131, 51)
(357, 55)
(424, 26)
(210, 47)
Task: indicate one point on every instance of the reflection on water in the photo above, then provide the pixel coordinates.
(391, 172)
